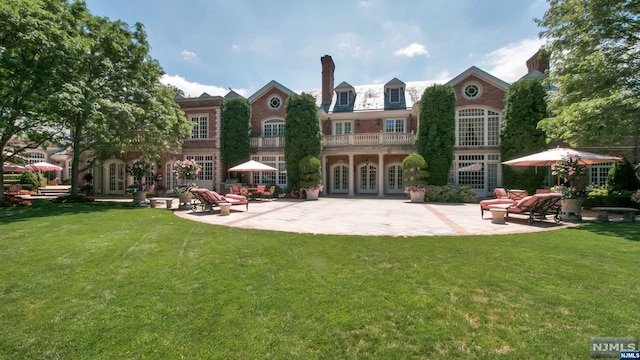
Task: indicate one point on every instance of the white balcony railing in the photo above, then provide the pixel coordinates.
(368, 139)
(267, 142)
(382, 139)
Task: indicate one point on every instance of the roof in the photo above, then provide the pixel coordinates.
(481, 74)
(269, 86)
(371, 97)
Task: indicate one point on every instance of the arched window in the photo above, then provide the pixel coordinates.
(273, 128)
(478, 127)
(35, 156)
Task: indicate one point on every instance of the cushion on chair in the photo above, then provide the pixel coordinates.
(500, 193)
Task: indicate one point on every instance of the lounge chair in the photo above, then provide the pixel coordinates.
(502, 197)
(538, 205)
(208, 199)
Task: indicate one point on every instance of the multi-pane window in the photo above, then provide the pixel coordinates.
(598, 173)
(471, 170)
(394, 125)
(368, 177)
(34, 157)
(394, 95)
(206, 161)
(278, 177)
(200, 126)
(394, 177)
(273, 128)
(478, 127)
(343, 127)
(343, 98)
(340, 178)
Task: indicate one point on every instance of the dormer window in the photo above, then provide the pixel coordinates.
(344, 98)
(394, 95)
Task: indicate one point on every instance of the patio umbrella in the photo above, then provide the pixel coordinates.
(551, 156)
(252, 166)
(44, 166)
(9, 167)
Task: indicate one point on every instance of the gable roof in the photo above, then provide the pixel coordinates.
(269, 86)
(481, 74)
(344, 85)
(394, 82)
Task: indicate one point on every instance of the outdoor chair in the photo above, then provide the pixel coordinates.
(502, 197)
(235, 189)
(208, 199)
(539, 205)
(268, 194)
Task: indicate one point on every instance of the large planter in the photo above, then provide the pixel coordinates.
(417, 196)
(572, 208)
(313, 194)
(139, 197)
(185, 198)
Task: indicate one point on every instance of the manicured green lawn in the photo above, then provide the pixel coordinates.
(107, 281)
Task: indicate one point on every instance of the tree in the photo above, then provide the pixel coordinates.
(236, 128)
(302, 134)
(37, 42)
(525, 106)
(595, 70)
(436, 131)
(113, 101)
(622, 176)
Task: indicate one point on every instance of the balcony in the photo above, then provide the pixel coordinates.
(342, 141)
(369, 139)
(267, 142)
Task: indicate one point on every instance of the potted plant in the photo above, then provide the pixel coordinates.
(569, 172)
(310, 170)
(414, 177)
(138, 169)
(184, 170)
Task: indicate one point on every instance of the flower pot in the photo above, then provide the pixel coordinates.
(572, 208)
(312, 193)
(417, 196)
(185, 198)
(139, 197)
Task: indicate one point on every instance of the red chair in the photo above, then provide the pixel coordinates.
(502, 197)
(209, 199)
(268, 194)
(539, 205)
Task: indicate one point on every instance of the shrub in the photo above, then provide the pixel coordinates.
(310, 172)
(450, 194)
(29, 178)
(414, 171)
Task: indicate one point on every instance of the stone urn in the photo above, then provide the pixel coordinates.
(417, 196)
(572, 209)
(312, 193)
(185, 198)
(139, 197)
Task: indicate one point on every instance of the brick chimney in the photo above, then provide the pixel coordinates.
(328, 67)
(539, 61)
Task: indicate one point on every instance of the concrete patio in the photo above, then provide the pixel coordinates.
(368, 216)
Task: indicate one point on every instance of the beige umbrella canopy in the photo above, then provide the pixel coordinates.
(9, 167)
(252, 166)
(551, 156)
(43, 166)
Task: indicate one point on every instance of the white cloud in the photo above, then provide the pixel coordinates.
(194, 89)
(235, 47)
(412, 50)
(189, 55)
(509, 62)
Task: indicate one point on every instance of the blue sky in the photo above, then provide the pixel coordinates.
(213, 45)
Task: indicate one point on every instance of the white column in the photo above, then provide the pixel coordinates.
(323, 160)
(380, 175)
(352, 175)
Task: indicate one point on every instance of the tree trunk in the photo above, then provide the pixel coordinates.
(75, 161)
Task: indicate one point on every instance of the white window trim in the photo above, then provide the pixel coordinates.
(340, 97)
(467, 84)
(335, 123)
(269, 102)
(486, 123)
(270, 121)
(199, 115)
(389, 90)
(404, 125)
